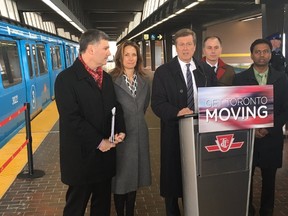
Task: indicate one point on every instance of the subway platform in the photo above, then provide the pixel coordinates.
(45, 196)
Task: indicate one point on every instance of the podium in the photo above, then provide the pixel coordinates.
(216, 170)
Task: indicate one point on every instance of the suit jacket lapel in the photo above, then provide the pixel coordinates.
(177, 71)
(140, 86)
(119, 81)
(272, 76)
(83, 74)
(250, 77)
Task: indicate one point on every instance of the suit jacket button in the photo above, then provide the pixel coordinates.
(181, 91)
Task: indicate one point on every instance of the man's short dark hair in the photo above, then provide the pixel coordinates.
(260, 41)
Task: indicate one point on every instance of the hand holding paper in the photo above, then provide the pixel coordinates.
(119, 137)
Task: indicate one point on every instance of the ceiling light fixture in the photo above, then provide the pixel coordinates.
(192, 5)
(76, 26)
(169, 17)
(62, 14)
(250, 18)
(181, 11)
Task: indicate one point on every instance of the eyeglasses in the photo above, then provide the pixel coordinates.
(185, 44)
(264, 52)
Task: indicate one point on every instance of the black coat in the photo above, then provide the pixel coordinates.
(278, 61)
(85, 119)
(169, 96)
(268, 150)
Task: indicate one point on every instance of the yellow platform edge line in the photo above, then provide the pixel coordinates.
(40, 126)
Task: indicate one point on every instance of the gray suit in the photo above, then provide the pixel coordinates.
(133, 161)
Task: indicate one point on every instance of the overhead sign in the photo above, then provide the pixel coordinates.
(152, 36)
(235, 108)
(146, 36)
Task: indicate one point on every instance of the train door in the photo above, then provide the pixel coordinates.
(73, 53)
(68, 55)
(43, 80)
(31, 69)
(56, 65)
(12, 87)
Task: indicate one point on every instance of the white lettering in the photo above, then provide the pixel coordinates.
(224, 117)
(15, 99)
(210, 116)
(244, 113)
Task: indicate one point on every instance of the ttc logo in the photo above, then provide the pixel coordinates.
(224, 143)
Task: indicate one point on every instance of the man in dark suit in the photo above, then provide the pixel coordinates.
(212, 49)
(268, 144)
(85, 97)
(173, 85)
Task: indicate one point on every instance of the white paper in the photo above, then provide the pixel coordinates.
(112, 139)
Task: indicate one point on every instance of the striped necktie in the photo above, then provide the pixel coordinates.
(190, 96)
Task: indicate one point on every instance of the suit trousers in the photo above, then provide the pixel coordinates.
(78, 196)
(267, 192)
(125, 203)
(172, 207)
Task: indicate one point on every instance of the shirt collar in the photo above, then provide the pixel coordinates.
(216, 65)
(265, 73)
(184, 67)
(98, 70)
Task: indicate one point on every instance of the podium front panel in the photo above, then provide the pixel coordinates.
(216, 170)
(223, 152)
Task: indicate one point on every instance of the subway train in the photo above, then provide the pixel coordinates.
(30, 60)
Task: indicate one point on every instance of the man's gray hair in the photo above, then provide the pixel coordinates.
(91, 36)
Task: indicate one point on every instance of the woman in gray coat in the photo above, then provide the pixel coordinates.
(132, 157)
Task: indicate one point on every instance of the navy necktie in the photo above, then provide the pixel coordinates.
(190, 96)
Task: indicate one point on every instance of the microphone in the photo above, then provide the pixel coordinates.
(201, 69)
(203, 73)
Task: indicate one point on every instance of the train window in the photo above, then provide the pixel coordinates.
(42, 59)
(10, 64)
(73, 54)
(56, 58)
(35, 66)
(68, 56)
(28, 54)
(52, 53)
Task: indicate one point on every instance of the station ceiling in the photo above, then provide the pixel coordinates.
(113, 16)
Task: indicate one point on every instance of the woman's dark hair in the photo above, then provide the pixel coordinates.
(119, 68)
